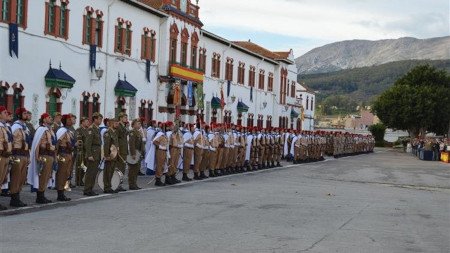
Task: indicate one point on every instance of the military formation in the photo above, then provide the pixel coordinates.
(103, 150)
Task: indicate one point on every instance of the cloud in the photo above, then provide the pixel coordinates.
(315, 22)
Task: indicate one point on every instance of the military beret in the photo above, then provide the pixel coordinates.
(96, 114)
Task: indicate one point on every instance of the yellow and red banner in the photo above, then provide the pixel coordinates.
(186, 73)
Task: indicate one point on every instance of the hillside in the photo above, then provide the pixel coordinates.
(363, 53)
(347, 88)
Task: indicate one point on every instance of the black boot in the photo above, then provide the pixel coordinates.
(41, 199)
(175, 180)
(197, 177)
(212, 173)
(169, 181)
(203, 175)
(158, 182)
(278, 164)
(62, 197)
(15, 201)
(186, 178)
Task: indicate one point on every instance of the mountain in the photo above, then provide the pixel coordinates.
(363, 53)
(345, 89)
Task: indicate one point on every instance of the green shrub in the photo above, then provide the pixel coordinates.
(378, 131)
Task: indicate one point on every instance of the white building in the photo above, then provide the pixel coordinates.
(144, 51)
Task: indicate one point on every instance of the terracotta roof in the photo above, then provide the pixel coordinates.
(257, 49)
(283, 55)
(157, 4)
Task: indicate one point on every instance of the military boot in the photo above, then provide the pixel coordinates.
(186, 178)
(62, 197)
(203, 175)
(158, 182)
(197, 177)
(41, 199)
(175, 180)
(15, 201)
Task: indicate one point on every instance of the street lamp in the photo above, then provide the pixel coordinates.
(98, 74)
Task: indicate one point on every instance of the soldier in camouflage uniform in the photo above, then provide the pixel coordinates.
(93, 154)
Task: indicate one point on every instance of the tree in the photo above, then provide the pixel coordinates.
(417, 102)
(378, 131)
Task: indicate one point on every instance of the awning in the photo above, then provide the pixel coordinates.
(294, 114)
(186, 73)
(57, 78)
(215, 103)
(241, 107)
(124, 89)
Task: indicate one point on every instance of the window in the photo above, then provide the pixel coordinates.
(14, 11)
(51, 14)
(96, 103)
(3, 96)
(202, 60)
(229, 69)
(6, 7)
(194, 57)
(241, 73)
(93, 27)
(287, 87)
(251, 76)
(194, 49)
(85, 107)
(312, 104)
(173, 51)
(148, 44)
(293, 89)
(21, 13)
(283, 85)
(184, 48)
(270, 82)
(123, 37)
(215, 66)
(262, 77)
(57, 19)
(63, 20)
(307, 103)
(173, 43)
(98, 32)
(128, 39)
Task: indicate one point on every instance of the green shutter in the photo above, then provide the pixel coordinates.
(19, 11)
(52, 105)
(88, 29)
(62, 25)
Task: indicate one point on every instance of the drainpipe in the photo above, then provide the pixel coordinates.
(106, 56)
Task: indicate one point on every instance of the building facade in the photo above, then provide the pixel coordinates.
(149, 58)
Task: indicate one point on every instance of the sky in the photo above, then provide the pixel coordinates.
(301, 25)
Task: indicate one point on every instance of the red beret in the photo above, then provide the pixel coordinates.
(66, 116)
(20, 110)
(2, 108)
(44, 115)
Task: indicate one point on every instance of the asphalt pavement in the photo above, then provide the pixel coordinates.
(383, 202)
